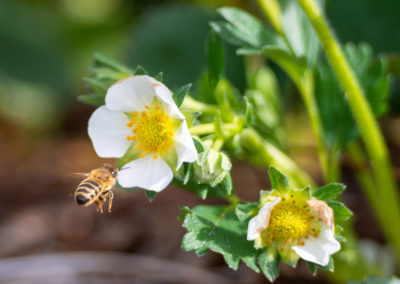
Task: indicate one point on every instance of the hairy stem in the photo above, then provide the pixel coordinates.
(376, 148)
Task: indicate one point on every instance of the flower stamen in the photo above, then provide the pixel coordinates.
(152, 129)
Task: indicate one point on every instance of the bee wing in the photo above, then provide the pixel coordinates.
(82, 175)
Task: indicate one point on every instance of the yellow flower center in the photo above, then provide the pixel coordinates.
(289, 222)
(152, 129)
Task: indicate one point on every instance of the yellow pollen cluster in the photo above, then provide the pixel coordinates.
(152, 129)
(288, 221)
(291, 221)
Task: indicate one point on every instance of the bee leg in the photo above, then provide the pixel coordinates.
(99, 206)
(110, 198)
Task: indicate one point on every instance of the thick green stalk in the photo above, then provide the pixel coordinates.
(370, 132)
(272, 11)
(363, 174)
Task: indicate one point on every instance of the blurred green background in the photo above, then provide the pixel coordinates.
(47, 46)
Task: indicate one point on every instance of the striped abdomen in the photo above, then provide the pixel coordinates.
(87, 192)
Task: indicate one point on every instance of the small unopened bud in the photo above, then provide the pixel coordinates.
(211, 167)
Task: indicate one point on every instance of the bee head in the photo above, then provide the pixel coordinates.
(113, 171)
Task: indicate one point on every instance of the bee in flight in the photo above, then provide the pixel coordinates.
(96, 187)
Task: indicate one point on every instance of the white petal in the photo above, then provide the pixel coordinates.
(259, 223)
(184, 145)
(130, 94)
(107, 130)
(319, 249)
(147, 173)
(165, 95)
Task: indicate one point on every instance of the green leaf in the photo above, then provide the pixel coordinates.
(329, 191)
(217, 228)
(337, 120)
(245, 211)
(151, 194)
(299, 32)
(279, 181)
(92, 99)
(215, 57)
(263, 94)
(180, 94)
(269, 261)
(246, 29)
(341, 212)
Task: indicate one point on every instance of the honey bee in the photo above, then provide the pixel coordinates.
(96, 187)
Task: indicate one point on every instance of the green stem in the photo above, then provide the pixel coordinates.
(192, 104)
(269, 154)
(363, 174)
(272, 11)
(217, 145)
(209, 128)
(370, 132)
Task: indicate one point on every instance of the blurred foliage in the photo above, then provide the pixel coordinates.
(178, 48)
(372, 72)
(49, 44)
(31, 46)
(372, 21)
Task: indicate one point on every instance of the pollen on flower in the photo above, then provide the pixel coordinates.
(152, 130)
(289, 222)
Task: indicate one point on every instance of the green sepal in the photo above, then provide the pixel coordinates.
(289, 256)
(269, 261)
(159, 77)
(245, 211)
(249, 112)
(180, 94)
(198, 145)
(130, 155)
(338, 234)
(190, 116)
(171, 158)
(329, 191)
(279, 181)
(92, 99)
(151, 194)
(313, 268)
(101, 59)
(329, 267)
(140, 71)
(96, 85)
(341, 212)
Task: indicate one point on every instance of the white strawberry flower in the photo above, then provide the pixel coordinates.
(297, 226)
(141, 122)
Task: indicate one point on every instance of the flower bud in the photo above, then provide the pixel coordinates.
(211, 167)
